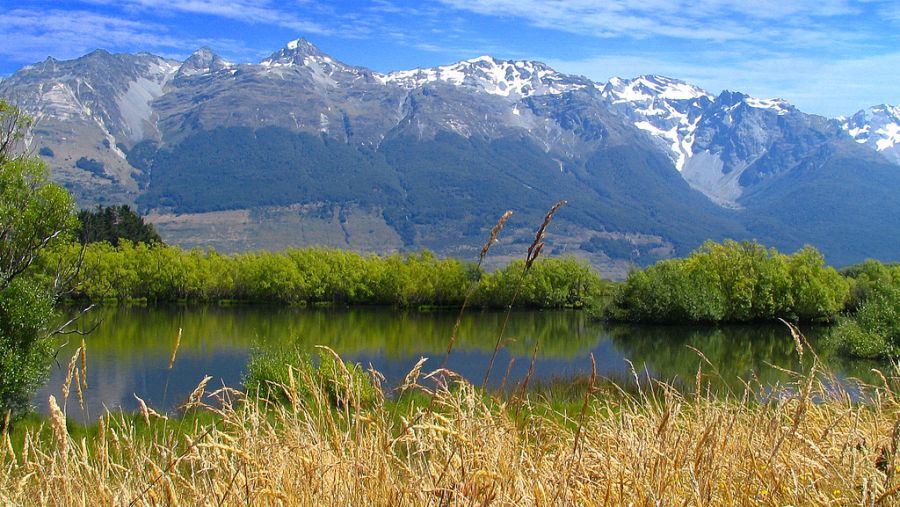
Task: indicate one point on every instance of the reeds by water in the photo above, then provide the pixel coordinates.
(807, 444)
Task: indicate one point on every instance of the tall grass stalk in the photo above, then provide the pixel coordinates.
(808, 445)
(534, 250)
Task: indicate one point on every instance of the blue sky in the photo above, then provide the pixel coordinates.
(828, 57)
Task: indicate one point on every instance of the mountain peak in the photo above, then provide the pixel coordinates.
(487, 74)
(887, 110)
(877, 127)
(293, 53)
(733, 99)
(302, 44)
(95, 54)
(202, 61)
(651, 87)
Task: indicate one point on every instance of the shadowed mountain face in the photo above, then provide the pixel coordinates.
(301, 148)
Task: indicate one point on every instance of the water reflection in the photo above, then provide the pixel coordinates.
(129, 351)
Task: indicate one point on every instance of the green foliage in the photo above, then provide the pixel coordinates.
(550, 283)
(13, 125)
(158, 272)
(34, 215)
(866, 277)
(26, 308)
(269, 372)
(275, 372)
(732, 282)
(872, 327)
(113, 223)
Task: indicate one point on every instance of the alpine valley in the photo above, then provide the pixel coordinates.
(303, 149)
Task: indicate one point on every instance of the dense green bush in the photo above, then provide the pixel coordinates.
(732, 282)
(26, 310)
(550, 283)
(867, 277)
(273, 373)
(158, 272)
(871, 327)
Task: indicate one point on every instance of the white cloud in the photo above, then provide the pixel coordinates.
(249, 11)
(714, 20)
(70, 34)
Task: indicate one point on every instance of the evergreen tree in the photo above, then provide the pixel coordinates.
(113, 223)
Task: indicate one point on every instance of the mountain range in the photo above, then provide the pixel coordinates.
(301, 148)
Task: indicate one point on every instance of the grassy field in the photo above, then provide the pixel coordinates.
(343, 439)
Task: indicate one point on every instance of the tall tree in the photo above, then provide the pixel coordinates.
(34, 214)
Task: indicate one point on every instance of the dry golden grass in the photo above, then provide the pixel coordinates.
(806, 444)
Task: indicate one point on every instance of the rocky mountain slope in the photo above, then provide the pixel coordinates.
(302, 148)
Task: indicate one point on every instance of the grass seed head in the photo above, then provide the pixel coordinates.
(494, 232)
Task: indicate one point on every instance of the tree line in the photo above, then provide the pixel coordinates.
(156, 272)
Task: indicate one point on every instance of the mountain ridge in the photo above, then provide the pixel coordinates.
(618, 148)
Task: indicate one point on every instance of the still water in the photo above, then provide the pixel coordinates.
(129, 351)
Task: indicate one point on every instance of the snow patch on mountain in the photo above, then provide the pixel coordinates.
(507, 78)
(779, 106)
(877, 127)
(666, 108)
(649, 88)
(890, 137)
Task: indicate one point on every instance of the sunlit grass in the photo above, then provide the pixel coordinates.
(437, 439)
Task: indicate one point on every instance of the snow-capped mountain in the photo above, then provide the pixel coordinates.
(878, 128)
(667, 108)
(427, 157)
(507, 78)
(711, 140)
(301, 55)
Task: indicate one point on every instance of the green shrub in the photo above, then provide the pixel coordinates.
(269, 373)
(26, 308)
(732, 282)
(273, 371)
(550, 283)
(864, 278)
(873, 330)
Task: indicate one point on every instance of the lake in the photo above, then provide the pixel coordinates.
(128, 352)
